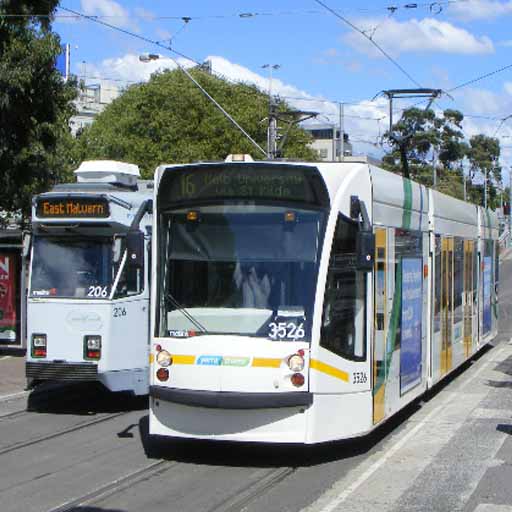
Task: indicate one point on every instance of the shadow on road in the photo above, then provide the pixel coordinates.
(82, 508)
(82, 399)
(506, 429)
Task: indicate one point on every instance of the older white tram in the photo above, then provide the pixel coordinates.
(307, 302)
(88, 303)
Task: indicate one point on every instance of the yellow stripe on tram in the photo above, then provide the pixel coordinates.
(265, 362)
(329, 370)
(183, 359)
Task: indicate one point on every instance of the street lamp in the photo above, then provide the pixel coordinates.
(270, 67)
(147, 57)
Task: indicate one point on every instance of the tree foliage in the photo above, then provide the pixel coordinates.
(422, 142)
(35, 103)
(169, 120)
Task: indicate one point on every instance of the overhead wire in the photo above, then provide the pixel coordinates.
(435, 7)
(369, 38)
(182, 68)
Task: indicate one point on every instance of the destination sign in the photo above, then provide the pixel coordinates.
(74, 207)
(274, 182)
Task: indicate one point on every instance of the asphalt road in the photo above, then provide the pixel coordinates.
(79, 448)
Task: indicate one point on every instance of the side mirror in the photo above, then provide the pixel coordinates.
(26, 241)
(365, 249)
(117, 247)
(135, 248)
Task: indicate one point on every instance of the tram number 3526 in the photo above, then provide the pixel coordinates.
(359, 378)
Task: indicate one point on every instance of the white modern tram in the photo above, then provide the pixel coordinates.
(299, 302)
(88, 299)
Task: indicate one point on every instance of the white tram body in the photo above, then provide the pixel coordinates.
(88, 299)
(297, 302)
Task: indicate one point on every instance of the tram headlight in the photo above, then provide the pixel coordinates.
(38, 345)
(163, 358)
(296, 363)
(92, 346)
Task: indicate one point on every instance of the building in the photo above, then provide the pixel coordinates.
(326, 140)
(92, 99)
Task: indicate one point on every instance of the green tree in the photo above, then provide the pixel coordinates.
(169, 120)
(421, 140)
(483, 155)
(412, 139)
(35, 103)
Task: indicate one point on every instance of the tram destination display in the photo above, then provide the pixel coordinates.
(72, 207)
(298, 184)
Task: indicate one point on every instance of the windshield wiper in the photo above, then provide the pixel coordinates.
(185, 313)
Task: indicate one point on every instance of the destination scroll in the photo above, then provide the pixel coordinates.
(72, 207)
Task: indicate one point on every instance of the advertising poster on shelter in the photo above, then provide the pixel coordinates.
(7, 298)
(412, 311)
(487, 294)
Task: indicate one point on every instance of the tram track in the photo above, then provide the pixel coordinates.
(116, 486)
(30, 442)
(239, 500)
(236, 502)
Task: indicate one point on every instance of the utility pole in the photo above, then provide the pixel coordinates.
(342, 132)
(485, 188)
(334, 142)
(509, 206)
(464, 181)
(434, 169)
(272, 115)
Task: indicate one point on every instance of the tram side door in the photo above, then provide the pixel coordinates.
(447, 246)
(379, 360)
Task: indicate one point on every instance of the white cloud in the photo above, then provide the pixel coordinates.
(426, 35)
(480, 101)
(130, 69)
(360, 118)
(471, 10)
(508, 87)
(144, 13)
(109, 8)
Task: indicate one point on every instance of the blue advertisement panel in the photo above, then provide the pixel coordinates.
(412, 313)
(487, 322)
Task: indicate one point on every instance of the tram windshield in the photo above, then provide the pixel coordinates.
(239, 267)
(63, 267)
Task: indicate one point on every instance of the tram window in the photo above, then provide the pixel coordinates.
(344, 315)
(131, 281)
(458, 280)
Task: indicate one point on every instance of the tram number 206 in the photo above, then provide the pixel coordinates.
(98, 292)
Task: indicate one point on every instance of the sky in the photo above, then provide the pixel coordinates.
(326, 52)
